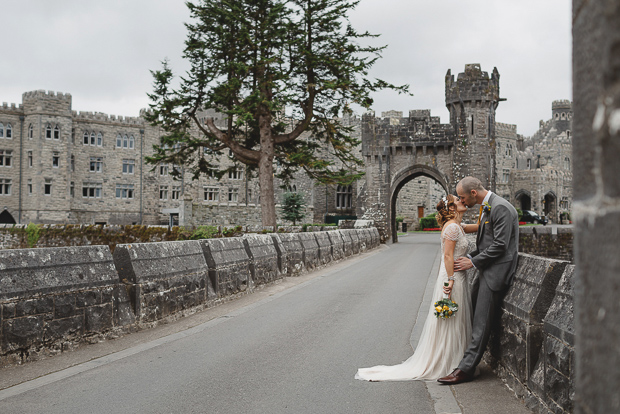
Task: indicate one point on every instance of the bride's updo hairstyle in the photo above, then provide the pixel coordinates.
(443, 210)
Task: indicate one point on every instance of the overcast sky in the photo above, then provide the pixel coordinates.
(101, 51)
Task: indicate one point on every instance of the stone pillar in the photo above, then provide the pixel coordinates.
(596, 151)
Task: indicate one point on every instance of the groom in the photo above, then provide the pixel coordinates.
(496, 260)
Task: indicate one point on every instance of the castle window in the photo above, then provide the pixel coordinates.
(505, 176)
(163, 192)
(30, 159)
(91, 190)
(56, 132)
(6, 158)
(72, 162)
(55, 160)
(176, 192)
(29, 186)
(557, 116)
(211, 194)
(9, 131)
(72, 190)
(124, 191)
(85, 140)
(99, 139)
(236, 174)
(5, 186)
(125, 141)
(567, 163)
(96, 164)
(1, 130)
(567, 134)
(131, 142)
(128, 166)
(30, 131)
(344, 196)
(47, 186)
(509, 147)
(249, 199)
(93, 139)
(529, 164)
(233, 195)
(163, 170)
(48, 131)
(563, 115)
(119, 141)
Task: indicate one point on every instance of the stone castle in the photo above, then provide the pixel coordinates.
(58, 165)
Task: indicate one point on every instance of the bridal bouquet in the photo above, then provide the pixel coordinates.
(445, 307)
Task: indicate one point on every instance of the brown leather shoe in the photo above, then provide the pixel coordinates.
(456, 377)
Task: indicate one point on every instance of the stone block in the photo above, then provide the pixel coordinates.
(325, 247)
(347, 243)
(375, 237)
(337, 242)
(161, 274)
(71, 328)
(123, 309)
(22, 333)
(294, 252)
(64, 306)
(311, 250)
(364, 238)
(229, 265)
(98, 318)
(263, 258)
(88, 298)
(559, 320)
(283, 256)
(35, 306)
(527, 302)
(355, 240)
(26, 272)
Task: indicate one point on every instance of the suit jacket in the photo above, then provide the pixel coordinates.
(497, 244)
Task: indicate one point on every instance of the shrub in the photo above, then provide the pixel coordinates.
(205, 232)
(293, 207)
(428, 222)
(33, 232)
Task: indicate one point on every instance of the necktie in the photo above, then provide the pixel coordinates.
(480, 214)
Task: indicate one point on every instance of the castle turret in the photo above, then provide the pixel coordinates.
(472, 100)
(561, 114)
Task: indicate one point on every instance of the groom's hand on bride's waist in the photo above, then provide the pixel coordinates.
(462, 263)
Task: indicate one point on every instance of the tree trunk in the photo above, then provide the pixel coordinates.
(265, 172)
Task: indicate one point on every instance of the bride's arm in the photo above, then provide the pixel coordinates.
(448, 260)
(470, 228)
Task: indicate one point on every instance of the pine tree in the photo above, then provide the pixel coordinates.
(293, 207)
(252, 60)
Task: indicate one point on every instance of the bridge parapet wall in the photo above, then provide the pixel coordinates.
(54, 299)
(532, 348)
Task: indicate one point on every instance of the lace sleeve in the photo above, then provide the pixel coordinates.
(451, 232)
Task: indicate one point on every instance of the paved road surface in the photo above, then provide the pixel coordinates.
(293, 352)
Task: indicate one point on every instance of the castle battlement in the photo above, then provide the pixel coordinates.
(12, 106)
(41, 93)
(102, 117)
(499, 126)
(562, 104)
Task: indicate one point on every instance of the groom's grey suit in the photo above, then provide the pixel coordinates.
(495, 258)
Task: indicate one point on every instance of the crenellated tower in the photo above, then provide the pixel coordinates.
(472, 100)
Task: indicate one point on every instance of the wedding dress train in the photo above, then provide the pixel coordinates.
(443, 341)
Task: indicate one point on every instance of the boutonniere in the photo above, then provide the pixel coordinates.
(486, 207)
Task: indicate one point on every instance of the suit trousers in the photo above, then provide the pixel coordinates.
(486, 310)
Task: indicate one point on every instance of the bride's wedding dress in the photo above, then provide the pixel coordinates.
(443, 341)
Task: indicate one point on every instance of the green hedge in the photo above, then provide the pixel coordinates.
(429, 222)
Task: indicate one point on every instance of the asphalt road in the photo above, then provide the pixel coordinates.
(295, 351)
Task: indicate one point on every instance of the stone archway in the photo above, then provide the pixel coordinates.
(525, 199)
(6, 217)
(550, 206)
(403, 177)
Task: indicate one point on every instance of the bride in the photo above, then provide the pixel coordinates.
(443, 342)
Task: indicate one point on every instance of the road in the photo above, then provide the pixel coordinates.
(295, 351)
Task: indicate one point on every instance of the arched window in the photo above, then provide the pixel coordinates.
(72, 162)
(92, 138)
(119, 141)
(9, 131)
(563, 116)
(30, 131)
(125, 141)
(131, 142)
(99, 139)
(344, 196)
(48, 131)
(85, 140)
(1, 130)
(557, 116)
(56, 132)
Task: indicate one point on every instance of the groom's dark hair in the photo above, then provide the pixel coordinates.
(471, 183)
